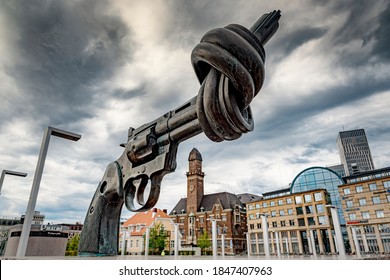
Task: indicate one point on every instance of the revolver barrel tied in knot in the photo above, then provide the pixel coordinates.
(229, 64)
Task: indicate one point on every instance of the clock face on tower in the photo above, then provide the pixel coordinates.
(192, 188)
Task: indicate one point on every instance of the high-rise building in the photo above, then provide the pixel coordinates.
(354, 151)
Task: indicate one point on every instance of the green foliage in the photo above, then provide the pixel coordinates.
(157, 239)
(72, 246)
(204, 241)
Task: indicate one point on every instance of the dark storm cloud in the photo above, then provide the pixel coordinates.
(364, 26)
(65, 47)
(381, 47)
(287, 44)
(291, 113)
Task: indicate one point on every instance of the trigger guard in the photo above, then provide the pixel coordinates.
(132, 193)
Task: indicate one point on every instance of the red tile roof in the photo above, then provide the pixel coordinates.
(144, 219)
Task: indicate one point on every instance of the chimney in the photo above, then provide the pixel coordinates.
(154, 212)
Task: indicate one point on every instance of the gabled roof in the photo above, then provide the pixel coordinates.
(145, 219)
(248, 197)
(227, 200)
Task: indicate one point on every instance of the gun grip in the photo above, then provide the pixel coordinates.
(100, 233)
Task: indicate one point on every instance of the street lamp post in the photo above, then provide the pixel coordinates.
(356, 242)
(9, 172)
(337, 229)
(21, 252)
(265, 234)
(277, 243)
(214, 236)
(248, 242)
(124, 238)
(223, 244)
(312, 243)
(176, 230)
(147, 237)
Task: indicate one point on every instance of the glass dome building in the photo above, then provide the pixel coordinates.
(320, 178)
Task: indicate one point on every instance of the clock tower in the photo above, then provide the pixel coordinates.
(195, 189)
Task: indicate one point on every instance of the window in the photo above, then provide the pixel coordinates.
(251, 207)
(307, 198)
(272, 203)
(380, 214)
(318, 196)
(299, 210)
(251, 216)
(376, 200)
(264, 204)
(365, 215)
(283, 223)
(292, 223)
(311, 221)
(347, 191)
(359, 189)
(252, 226)
(281, 212)
(352, 216)
(273, 213)
(301, 222)
(349, 203)
(309, 209)
(280, 202)
(288, 200)
(386, 184)
(298, 200)
(362, 202)
(388, 198)
(372, 186)
(259, 226)
(369, 229)
(257, 206)
(290, 211)
(274, 224)
(320, 208)
(321, 220)
(201, 220)
(225, 219)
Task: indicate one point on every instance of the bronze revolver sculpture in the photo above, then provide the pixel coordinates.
(229, 64)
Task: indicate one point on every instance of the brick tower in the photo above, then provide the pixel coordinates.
(195, 189)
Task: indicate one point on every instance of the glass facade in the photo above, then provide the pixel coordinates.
(320, 178)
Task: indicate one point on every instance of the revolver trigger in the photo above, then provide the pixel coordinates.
(140, 188)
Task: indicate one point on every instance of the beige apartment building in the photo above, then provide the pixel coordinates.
(293, 220)
(366, 205)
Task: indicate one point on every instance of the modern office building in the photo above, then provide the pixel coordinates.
(354, 151)
(366, 206)
(317, 177)
(338, 168)
(295, 222)
(196, 212)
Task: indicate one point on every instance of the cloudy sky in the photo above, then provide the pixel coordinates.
(98, 67)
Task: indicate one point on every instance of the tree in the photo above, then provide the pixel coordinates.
(204, 241)
(157, 239)
(72, 246)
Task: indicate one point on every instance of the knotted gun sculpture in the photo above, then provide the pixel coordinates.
(229, 64)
